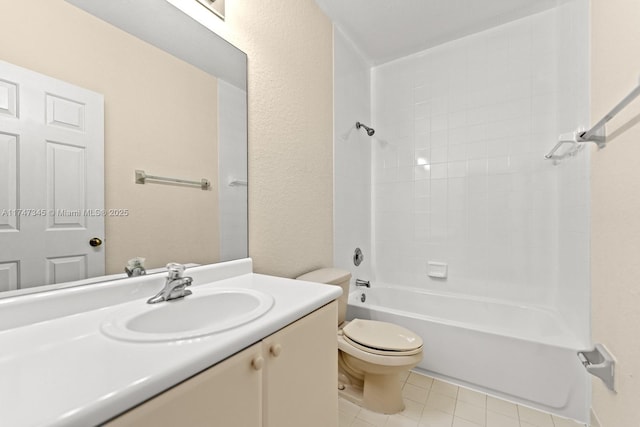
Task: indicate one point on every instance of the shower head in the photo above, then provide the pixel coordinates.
(370, 131)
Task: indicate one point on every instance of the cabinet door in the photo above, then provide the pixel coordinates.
(301, 372)
(228, 394)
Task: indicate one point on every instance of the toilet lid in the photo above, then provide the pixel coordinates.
(381, 335)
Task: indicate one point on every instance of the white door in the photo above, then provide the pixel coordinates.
(51, 180)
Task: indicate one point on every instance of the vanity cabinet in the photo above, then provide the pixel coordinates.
(228, 393)
(289, 379)
(300, 379)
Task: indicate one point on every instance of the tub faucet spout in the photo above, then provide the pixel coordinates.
(365, 283)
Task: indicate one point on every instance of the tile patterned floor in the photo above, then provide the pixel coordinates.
(433, 403)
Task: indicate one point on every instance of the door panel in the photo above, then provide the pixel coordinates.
(66, 179)
(51, 178)
(65, 113)
(8, 98)
(66, 269)
(8, 180)
(9, 276)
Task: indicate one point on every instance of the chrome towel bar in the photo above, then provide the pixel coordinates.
(142, 177)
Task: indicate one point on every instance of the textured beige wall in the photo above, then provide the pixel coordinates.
(289, 46)
(615, 207)
(162, 121)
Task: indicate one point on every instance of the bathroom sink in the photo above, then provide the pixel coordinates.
(205, 312)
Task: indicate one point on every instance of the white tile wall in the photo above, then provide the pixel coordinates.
(455, 172)
(458, 169)
(574, 296)
(352, 158)
(232, 165)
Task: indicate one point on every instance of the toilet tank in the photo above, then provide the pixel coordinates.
(332, 276)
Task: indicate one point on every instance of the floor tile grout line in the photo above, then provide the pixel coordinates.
(423, 405)
(455, 406)
(486, 415)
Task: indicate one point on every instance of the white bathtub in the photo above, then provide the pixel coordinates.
(523, 354)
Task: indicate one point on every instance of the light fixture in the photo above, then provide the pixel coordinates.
(215, 6)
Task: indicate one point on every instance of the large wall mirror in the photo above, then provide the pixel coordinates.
(91, 92)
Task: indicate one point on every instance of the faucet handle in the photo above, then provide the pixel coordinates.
(175, 270)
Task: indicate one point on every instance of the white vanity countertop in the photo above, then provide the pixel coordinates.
(65, 372)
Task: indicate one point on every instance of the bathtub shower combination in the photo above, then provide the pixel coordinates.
(473, 221)
(518, 353)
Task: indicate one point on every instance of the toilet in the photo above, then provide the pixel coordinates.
(371, 354)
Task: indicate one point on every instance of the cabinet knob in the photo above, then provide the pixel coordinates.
(275, 350)
(257, 363)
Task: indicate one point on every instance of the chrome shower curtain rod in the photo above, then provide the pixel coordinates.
(594, 134)
(591, 134)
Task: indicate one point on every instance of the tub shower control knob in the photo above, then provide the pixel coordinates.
(358, 257)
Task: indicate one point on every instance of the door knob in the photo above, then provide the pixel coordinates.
(95, 242)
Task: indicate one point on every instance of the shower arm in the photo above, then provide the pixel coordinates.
(370, 131)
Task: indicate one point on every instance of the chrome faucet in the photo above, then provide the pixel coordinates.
(135, 272)
(174, 286)
(365, 283)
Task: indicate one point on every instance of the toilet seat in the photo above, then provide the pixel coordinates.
(380, 351)
(381, 338)
(385, 359)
